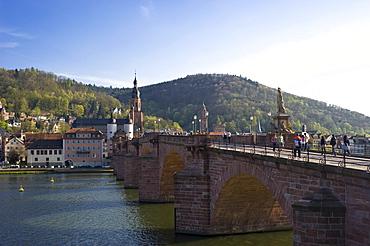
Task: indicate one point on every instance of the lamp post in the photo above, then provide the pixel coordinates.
(207, 114)
(192, 125)
(195, 123)
(200, 125)
(250, 127)
(269, 122)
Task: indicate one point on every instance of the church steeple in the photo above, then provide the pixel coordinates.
(135, 91)
(136, 115)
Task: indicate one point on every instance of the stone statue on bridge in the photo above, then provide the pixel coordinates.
(281, 120)
(280, 102)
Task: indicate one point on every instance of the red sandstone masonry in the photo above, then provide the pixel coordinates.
(288, 182)
(117, 162)
(192, 209)
(131, 167)
(149, 182)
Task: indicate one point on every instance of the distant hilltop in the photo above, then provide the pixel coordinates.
(231, 100)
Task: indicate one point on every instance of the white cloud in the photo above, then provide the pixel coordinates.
(16, 34)
(147, 11)
(9, 45)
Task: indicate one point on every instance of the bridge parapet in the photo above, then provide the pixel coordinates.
(201, 139)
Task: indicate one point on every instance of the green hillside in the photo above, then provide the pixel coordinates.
(231, 100)
(32, 92)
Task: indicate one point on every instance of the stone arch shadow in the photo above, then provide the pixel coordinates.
(245, 204)
(172, 164)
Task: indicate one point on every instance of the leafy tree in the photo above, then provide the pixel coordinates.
(79, 110)
(64, 126)
(14, 156)
(29, 126)
(5, 126)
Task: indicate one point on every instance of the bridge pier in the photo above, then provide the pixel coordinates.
(192, 201)
(319, 219)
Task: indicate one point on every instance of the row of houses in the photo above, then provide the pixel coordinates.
(81, 146)
(77, 147)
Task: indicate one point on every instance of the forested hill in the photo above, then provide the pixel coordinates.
(35, 92)
(231, 100)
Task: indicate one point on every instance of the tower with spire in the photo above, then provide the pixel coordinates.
(136, 115)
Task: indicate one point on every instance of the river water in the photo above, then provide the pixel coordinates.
(95, 209)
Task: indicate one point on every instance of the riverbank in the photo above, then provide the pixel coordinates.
(53, 170)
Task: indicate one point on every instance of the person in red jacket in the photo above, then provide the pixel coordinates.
(297, 146)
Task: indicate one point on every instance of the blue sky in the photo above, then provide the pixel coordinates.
(318, 49)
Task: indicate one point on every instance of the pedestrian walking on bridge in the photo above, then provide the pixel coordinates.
(333, 142)
(297, 146)
(274, 142)
(323, 145)
(280, 141)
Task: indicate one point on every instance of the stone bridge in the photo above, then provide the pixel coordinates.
(223, 191)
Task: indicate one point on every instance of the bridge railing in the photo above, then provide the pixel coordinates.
(313, 156)
(199, 139)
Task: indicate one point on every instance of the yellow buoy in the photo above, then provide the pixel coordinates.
(52, 180)
(21, 188)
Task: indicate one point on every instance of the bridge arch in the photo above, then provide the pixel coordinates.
(145, 150)
(172, 164)
(245, 204)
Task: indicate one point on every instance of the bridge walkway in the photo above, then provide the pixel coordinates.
(343, 161)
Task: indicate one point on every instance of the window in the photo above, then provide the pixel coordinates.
(36, 159)
(32, 152)
(60, 152)
(58, 159)
(47, 158)
(55, 152)
(38, 152)
(50, 152)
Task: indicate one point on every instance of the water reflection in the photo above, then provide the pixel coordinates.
(95, 209)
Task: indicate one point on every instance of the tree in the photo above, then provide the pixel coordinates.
(64, 126)
(14, 156)
(79, 110)
(29, 126)
(36, 111)
(5, 126)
